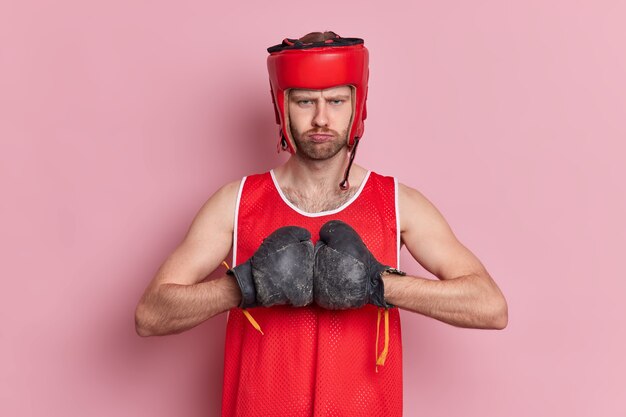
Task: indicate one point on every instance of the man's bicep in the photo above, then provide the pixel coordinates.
(207, 243)
(430, 240)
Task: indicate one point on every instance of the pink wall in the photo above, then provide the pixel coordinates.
(118, 120)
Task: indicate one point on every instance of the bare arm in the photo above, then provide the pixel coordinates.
(176, 299)
(465, 295)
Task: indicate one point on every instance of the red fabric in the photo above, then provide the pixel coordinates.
(311, 361)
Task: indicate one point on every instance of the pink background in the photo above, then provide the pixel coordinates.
(119, 119)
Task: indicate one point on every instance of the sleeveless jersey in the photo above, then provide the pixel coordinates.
(311, 361)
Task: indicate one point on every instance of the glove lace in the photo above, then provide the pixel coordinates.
(380, 360)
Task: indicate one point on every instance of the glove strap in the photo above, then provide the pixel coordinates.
(387, 270)
(246, 313)
(394, 271)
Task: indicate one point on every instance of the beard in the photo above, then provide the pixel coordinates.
(319, 151)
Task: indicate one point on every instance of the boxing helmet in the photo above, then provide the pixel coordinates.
(318, 66)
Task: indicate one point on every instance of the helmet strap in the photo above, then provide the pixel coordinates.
(282, 144)
(345, 184)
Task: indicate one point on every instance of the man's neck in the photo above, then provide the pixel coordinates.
(313, 186)
(315, 176)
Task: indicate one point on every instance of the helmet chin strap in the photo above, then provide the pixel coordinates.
(282, 144)
(345, 185)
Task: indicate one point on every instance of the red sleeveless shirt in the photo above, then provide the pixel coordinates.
(311, 361)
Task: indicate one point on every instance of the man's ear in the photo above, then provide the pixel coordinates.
(365, 105)
(287, 122)
(353, 103)
(275, 106)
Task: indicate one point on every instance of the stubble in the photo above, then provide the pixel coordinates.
(319, 151)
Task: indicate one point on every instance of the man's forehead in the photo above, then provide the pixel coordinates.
(343, 89)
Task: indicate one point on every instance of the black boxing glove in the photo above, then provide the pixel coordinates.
(280, 271)
(346, 274)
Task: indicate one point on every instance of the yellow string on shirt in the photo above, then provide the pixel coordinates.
(380, 360)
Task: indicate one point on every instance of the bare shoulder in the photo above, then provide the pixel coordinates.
(217, 213)
(415, 209)
(429, 238)
(207, 243)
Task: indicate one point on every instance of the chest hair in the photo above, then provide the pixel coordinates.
(318, 200)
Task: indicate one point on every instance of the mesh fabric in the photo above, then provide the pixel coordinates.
(311, 361)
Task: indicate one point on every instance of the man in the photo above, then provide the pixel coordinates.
(315, 250)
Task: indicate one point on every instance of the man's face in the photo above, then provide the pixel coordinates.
(319, 121)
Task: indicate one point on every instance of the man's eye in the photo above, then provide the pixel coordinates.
(337, 102)
(304, 102)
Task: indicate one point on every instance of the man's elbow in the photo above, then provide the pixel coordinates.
(142, 321)
(499, 314)
(494, 311)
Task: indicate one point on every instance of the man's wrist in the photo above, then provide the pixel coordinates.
(232, 290)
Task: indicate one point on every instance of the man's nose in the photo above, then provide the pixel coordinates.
(321, 115)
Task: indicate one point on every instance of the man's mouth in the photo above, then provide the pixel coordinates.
(320, 137)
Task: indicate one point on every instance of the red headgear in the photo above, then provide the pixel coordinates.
(318, 66)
